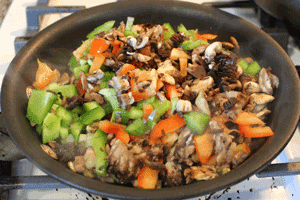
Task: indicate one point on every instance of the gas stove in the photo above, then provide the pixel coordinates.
(27, 182)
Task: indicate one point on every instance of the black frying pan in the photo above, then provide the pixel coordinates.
(56, 43)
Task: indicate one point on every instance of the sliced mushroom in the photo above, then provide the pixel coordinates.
(198, 71)
(212, 50)
(202, 85)
(251, 87)
(90, 159)
(125, 100)
(96, 76)
(64, 79)
(261, 98)
(202, 104)
(184, 106)
(167, 78)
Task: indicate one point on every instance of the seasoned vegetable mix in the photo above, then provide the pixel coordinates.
(151, 107)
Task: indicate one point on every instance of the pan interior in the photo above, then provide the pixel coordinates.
(55, 44)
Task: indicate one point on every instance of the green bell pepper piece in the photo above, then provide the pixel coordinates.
(124, 114)
(65, 90)
(196, 121)
(107, 108)
(135, 113)
(107, 77)
(253, 69)
(174, 102)
(73, 63)
(39, 104)
(243, 64)
(103, 28)
(140, 104)
(51, 128)
(75, 130)
(90, 106)
(189, 45)
(39, 128)
(108, 94)
(89, 117)
(65, 116)
(169, 32)
(64, 132)
(77, 110)
(136, 128)
(99, 145)
(156, 103)
(159, 111)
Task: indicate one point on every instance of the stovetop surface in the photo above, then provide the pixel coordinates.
(277, 188)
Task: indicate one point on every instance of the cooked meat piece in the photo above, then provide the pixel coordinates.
(184, 147)
(251, 87)
(222, 143)
(267, 81)
(262, 114)
(261, 98)
(184, 106)
(202, 104)
(49, 151)
(161, 96)
(120, 83)
(200, 49)
(227, 45)
(94, 97)
(239, 157)
(64, 79)
(79, 165)
(173, 176)
(125, 100)
(123, 163)
(75, 101)
(121, 27)
(200, 173)
(90, 158)
(202, 85)
(167, 68)
(167, 78)
(96, 76)
(198, 71)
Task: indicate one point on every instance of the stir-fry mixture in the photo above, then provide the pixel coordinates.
(149, 107)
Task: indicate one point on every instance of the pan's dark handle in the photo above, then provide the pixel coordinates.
(280, 169)
(8, 150)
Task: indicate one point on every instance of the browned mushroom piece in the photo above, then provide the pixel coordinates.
(65, 79)
(234, 42)
(227, 45)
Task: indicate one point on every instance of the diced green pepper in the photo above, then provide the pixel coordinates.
(156, 103)
(253, 69)
(75, 130)
(65, 116)
(54, 107)
(160, 110)
(107, 108)
(39, 128)
(150, 100)
(149, 126)
(189, 45)
(174, 102)
(103, 28)
(136, 128)
(203, 42)
(51, 127)
(65, 90)
(113, 117)
(89, 117)
(243, 64)
(108, 94)
(73, 63)
(135, 113)
(64, 132)
(196, 121)
(77, 110)
(107, 76)
(128, 31)
(39, 104)
(124, 114)
(99, 146)
(169, 32)
(90, 106)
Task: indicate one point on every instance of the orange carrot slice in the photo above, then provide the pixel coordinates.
(147, 110)
(255, 132)
(147, 178)
(248, 118)
(242, 147)
(160, 84)
(98, 61)
(204, 146)
(173, 92)
(212, 160)
(123, 136)
(98, 46)
(125, 69)
(165, 126)
(43, 75)
(208, 36)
